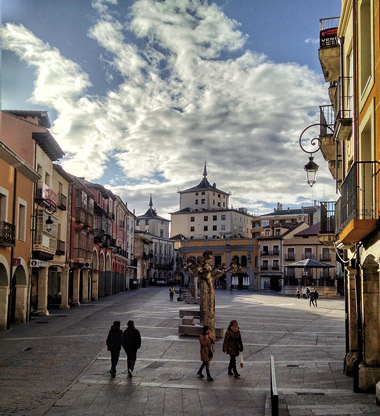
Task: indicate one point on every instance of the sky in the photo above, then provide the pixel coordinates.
(141, 93)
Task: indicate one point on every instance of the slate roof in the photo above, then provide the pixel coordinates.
(204, 185)
(313, 230)
(151, 213)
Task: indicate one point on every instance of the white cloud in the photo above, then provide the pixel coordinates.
(312, 41)
(189, 92)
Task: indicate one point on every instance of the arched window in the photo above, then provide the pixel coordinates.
(244, 261)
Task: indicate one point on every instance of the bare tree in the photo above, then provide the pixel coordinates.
(203, 269)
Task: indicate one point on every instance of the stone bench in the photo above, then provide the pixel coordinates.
(196, 330)
(189, 312)
(187, 321)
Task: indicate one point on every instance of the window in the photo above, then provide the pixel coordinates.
(196, 202)
(223, 217)
(192, 229)
(278, 231)
(218, 204)
(308, 253)
(146, 222)
(192, 219)
(218, 195)
(223, 227)
(276, 250)
(196, 193)
(203, 193)
(244, 261)
(218, 261)
(365, 43)
(264, 223)
(213, 202)
(21, 220)
(205, 228)
(275, 265)
(161, 233)
(214, 217)
(224, 204)
(39, 169)
(214, 227)
(3, 204)
(203, 201)
(47, 179)
(205, 218)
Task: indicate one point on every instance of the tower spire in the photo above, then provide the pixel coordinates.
(150, 201)
(205, 170)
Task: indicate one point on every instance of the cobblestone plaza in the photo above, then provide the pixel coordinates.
(59, 365)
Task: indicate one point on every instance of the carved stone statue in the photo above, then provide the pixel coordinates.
(203, 269)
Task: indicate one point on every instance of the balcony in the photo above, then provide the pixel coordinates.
(62, 202)
(270, 253)
(343, 109)
(80, 214)
(266, 267)
(328, 144)
(46, 195)
(61, 245)
(329, 50)
(325, 257)
(356, 214)
(7, 234)
(81, 255)
(308, 256)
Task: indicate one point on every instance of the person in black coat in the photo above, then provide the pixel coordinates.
(131, 342)
(114, 345)
(233, 345)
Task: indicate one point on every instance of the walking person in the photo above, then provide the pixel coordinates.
(114, 345)
(131, 342)
(298, 293)
(171, 292)
(307, 292)
(206, 342)
(316, 296)
(233, 345)
(311, 299)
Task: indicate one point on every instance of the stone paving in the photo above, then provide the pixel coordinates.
(58, 365)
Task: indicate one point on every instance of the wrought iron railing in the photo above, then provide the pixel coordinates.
(7, 234)
(327, 217)
(343, 99)
(326, 118)
(357, 199)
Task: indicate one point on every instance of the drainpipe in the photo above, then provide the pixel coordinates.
(358, 318)
(34, 224)
(10, 307)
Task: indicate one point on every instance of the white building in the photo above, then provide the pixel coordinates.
(204, 213)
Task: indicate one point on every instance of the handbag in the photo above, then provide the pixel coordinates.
(241, 360)
(210, 354)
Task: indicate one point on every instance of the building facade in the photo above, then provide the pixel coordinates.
(349, 51)
(206, 222)
(16, 208)
(154, 249)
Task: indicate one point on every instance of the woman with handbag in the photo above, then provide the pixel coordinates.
(206, 342)
(233, 345)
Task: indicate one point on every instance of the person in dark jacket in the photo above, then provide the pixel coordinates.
(114, 345)
(131, 342)
(206, 342)
(316, 296)
(233, 345)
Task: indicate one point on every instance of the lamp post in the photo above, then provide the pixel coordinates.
(311, 168)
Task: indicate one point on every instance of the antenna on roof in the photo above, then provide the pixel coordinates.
(205, 170)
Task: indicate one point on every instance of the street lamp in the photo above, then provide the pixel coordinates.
(50, 208)
(311, 168)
